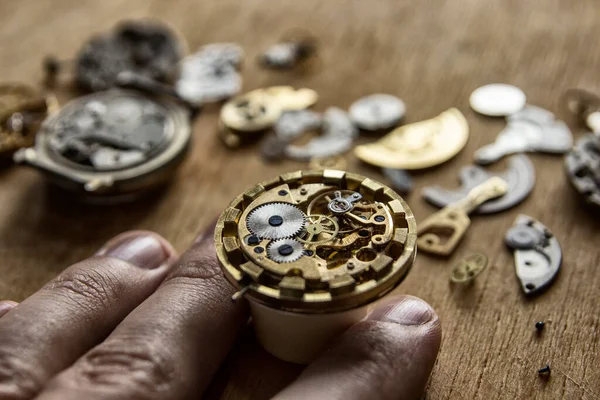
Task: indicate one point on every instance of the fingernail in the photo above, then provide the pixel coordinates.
(6, 306)
(404, 311)
(141, 249)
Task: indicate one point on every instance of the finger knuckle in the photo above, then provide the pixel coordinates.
(18, 379)
(88, 285)
(199, 271)
(126, 367)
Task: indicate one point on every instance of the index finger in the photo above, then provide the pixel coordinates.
(170, 346)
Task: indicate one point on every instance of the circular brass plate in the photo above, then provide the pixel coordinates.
(349, 259)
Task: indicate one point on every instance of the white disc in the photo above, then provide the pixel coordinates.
(377, 111)
(497, 100)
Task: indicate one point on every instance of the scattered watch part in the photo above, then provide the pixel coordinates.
(585, 106)
(532, 129)
(468, 268)
(289, 52)
(401, 180)
(497, 100)
(275, 220)
(210, 74)
(147, 48)
(111, 145)
(583, 168)
(338, 134)
(272, 148)
(334, 162)
(293, 124)
(520, 176)
(441, 232)
(377, 112)
(22, 110)
(301, 300)
(419, 145)
(259, 109)
(538, 256)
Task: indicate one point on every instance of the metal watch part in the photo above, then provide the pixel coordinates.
(293, 124)
(532, 129)
(333, 162)
(583, 168)
(419, 145)
(338, 134)
(210, 74)
(401, 180)
(585, 106)
(255, 111)
(111, 144)
(441, 232)
(467, 269)
(497, 100)
(338, 261)
(289, 52)
(538, 255)
(377, 112)
(22, 110)
(275, 221)
(145, 48)
(520, 176)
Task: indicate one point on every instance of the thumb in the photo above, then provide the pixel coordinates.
(388, 355)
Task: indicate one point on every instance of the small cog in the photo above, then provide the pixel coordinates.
(285, 250)
(276, 221)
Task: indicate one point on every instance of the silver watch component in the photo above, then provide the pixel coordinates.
(293, 124)
(289, 53)
(583, 168)
(497, 100)
(400, 178)
(338, 134)
(520, 176)
(111, 144)
(532, 129)
(210, 74)
(285, 250)
(377, 112)
(145, 48)
(342, 204)
(276, 220)
(538, 255)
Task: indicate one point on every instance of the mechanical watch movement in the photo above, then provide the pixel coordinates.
(310, 250)
(111, 145)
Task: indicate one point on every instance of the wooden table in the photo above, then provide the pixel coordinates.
(431, 53)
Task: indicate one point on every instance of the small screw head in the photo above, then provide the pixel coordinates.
(539, 326)
(259, 249)
(253, 240)
(544, 371)
(379, 218)
(282, 192)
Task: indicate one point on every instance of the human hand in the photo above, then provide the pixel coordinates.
(137, 322)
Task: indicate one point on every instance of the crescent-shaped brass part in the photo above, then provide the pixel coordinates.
(468, 268)
(441, 232)
(337, 271)
(419, 145)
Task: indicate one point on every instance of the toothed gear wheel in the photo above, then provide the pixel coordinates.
(276, 221)
(285, 250)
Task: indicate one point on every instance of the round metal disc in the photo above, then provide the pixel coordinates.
(522, 237)
(497, 100)
(377, 111)
(468, 268)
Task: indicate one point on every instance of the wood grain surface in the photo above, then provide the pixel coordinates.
(431, 53)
